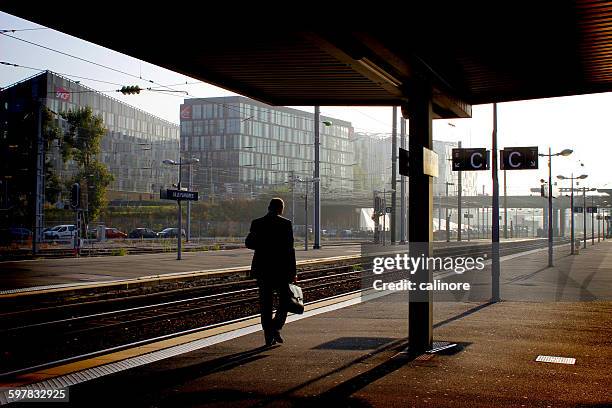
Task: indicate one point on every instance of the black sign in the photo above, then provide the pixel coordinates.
(388, 210)
(578, 210)
(470, 216)
(403, 162)
(592, 210)
(178, 195)
(519, 158)
(470, 159)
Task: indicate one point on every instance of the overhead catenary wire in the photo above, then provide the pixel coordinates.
(14, 30)
(86, 60)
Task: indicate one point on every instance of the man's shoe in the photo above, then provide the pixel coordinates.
(270, 341)
(277, 337)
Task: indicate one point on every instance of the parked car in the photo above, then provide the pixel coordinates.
(171, 233)
(61, 232)
(347, 233)
(143, 233)
(13, 234)
(115, 233)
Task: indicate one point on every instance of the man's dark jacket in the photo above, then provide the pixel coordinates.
(271, 236)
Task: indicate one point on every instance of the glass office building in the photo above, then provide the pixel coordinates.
(245, 147)
(133, 148)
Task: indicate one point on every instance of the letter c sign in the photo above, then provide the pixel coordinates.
(474, 163)
(512, 163)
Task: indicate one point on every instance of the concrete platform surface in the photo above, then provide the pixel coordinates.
(353, 356)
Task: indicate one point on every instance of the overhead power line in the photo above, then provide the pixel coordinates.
(86, 60)
(14, 30)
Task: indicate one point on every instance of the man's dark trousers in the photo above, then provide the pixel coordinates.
(266, 298)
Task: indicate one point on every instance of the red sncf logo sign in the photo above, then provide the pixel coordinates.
(186, 112)
(62, 93)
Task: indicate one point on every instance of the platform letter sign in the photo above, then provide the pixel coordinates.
(470, 159)
(578, 210)
(519, 158)
(592, 210)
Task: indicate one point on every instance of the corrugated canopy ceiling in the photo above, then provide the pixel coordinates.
(471, 53)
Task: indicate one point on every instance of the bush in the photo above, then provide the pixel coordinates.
(119, 252)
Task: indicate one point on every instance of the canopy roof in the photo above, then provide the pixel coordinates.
(472, 53)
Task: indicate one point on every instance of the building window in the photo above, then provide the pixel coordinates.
(196, 111)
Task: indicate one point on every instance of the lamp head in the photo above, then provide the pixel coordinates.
(327, 122)
(560, 177)
(169, 162)
(583, 176)
(566, 152)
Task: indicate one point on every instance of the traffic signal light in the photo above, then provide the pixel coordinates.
(75, 196)
(129, 90)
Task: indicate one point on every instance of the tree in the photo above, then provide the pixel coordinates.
(81, 142)
(83, 136)
(51, 132)
(94, 179)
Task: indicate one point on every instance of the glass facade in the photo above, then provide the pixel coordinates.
(245, 146)
(373, 168)
(134, 146)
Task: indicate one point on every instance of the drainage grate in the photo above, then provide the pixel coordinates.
(558, 360)
(438, 346)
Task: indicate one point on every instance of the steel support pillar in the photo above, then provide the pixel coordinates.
(495, 267)
(459, 191)
(420, 206)
(562, 222)
(317, 182)
(394, 176)
(403, 186)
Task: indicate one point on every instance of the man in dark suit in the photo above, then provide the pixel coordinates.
(271, 236)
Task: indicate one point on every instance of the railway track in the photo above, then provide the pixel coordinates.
(82, 329)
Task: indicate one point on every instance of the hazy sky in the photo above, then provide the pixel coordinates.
(580, 123)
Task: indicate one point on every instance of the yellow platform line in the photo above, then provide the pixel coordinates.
(51, 372)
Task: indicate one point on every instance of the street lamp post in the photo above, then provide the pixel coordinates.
(447, 219)
(307, 181)
(584, 230)
(565, 152)
(316, 178)
(592, 221)
(584, 233)
(572, 178)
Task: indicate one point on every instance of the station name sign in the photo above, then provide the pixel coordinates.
(178, 195)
